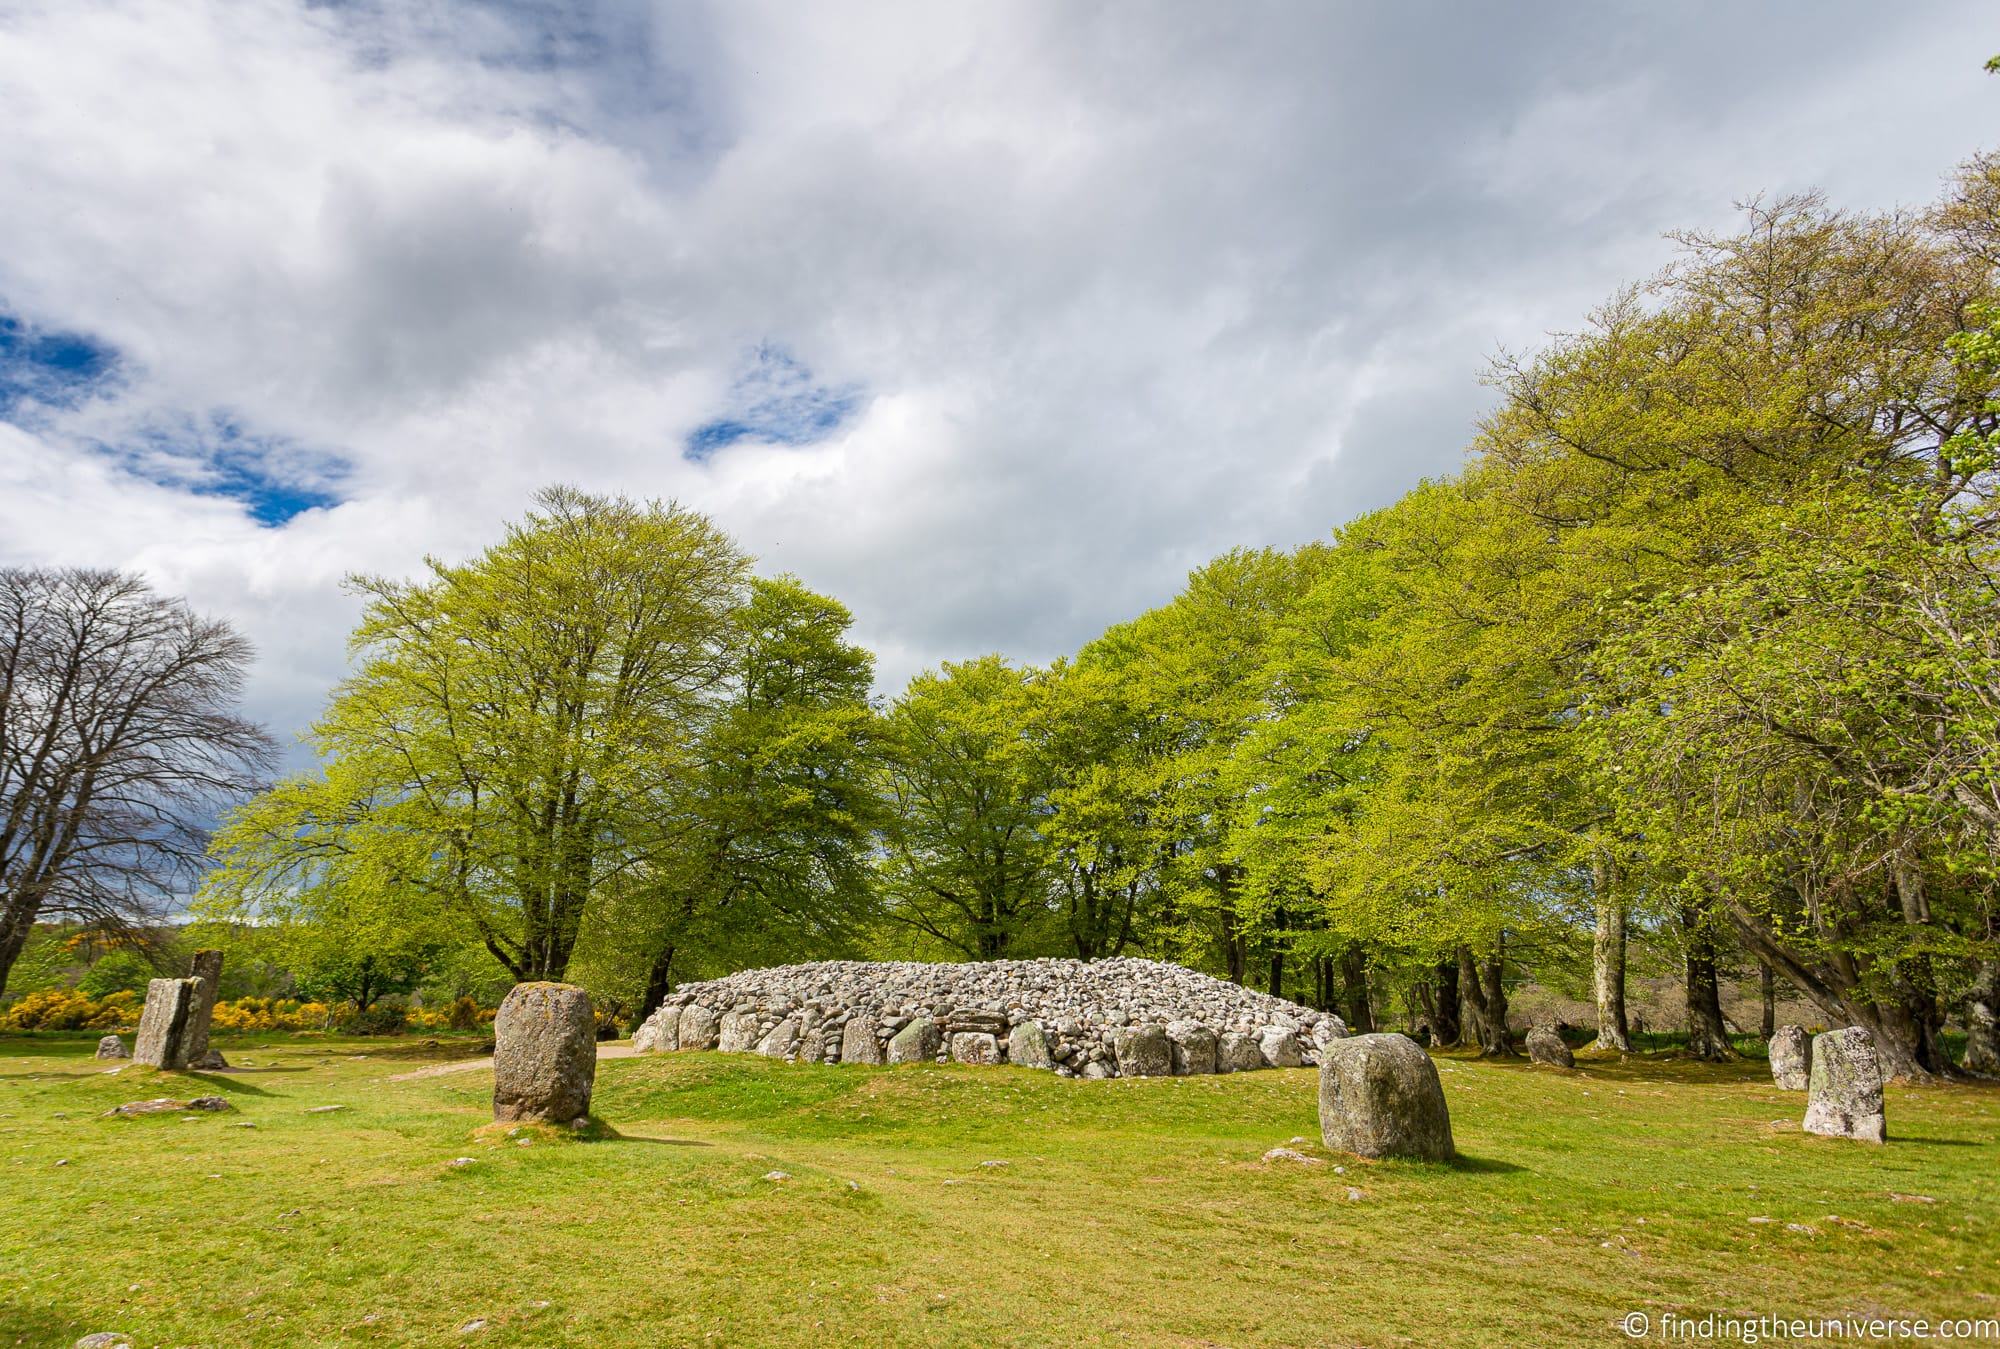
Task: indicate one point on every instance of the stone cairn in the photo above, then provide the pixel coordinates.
(544, 1054)
(1093, 1019)
(1845, 1099)
(1791, 1058)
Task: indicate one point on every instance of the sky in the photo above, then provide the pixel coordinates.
(992, 321)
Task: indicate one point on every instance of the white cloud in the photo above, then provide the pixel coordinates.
(1119, 288)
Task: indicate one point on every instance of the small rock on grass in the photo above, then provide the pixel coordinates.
(104, 1339)
(323, 1109)
(1292, 1155)
(776, 1176)
(473, 1327)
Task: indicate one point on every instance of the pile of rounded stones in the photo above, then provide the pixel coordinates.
(1099, 1018)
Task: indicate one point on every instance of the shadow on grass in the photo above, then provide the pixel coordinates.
(227, 1082)
(1489, 1166)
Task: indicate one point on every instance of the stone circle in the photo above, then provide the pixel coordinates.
(1123, 1017)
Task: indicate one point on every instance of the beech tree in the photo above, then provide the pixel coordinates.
(119, 737)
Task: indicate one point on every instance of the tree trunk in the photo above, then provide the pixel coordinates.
(1982, 1021)
(1354, 986)
(1607, 953)
(1277, 985)
(1707, 1038)
(1446, 1024)
(1767, 988)
(659, 982)
(1483, 995)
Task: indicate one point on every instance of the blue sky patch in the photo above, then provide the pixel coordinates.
(775, 401)
(275, 478)
(48, 368)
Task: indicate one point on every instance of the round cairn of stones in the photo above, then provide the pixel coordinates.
(544, 1054)
(1379, 1096)
(1101, 1018)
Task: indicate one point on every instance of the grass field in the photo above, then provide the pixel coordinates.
(1124, 1212)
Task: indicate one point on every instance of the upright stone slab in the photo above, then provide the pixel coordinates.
(858, 1040)
(738, 1033)
(1791, 1058)
(1236, 1053)
(915, 1043)
(1379, 1096)
(1028, 1046)
(1193, 1046)
(698, 1027)
(1546, 1046)
(544, 1054)
(162, 1039)
(1845, 1099)
(1279, 1047)
(975, 1046)
(1143, 1051)
(781, 1041)
(208, 969)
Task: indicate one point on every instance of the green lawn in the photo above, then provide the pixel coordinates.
(1127, 1212)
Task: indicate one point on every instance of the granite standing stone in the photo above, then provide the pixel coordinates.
(162, 1039)
(208, 969)
(1845, 1099)
(1379, 1096)
(111, 1047)
(544, 1054)
(1028, 1046)
(1546, 1046)
(1194, 1048)
(915, 1043)
(781, 1041)
(1791, 1058)
(858, 1042)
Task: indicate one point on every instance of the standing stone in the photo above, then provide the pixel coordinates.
(1545, 1046)
(1279, 1047)
(1028, 1046)
(1379, 1096)
(208, 969)
(975, 1046)
(782, 1041)
(544, 1054)
(1237, 1054)
(915, 1043)
(162, 1040)
(1846, 1087)
(858, 1043)
(1193, 1047)
(1791, 1058)
(1143, 1051)
(738, 1033)
(698, 1029)
(111, 1047)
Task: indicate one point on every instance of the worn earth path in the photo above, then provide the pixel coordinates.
(606, 1049)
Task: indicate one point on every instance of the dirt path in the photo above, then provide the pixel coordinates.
(606, 1049)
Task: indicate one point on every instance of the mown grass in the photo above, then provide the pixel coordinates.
(1127, 1212)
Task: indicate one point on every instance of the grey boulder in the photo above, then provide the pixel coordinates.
(544, 1054)
(111, 1047)
(1791, 1058)
(858, 1042)
(915, 1043)
(1237, 1054)
(975, 1046)
(1845, 1095)
(1546, 1046)
(698, 1027)
(1028, 1046)
(1279, 1047)
(1193, 1048)
(1143, 1051)
(738, 1033)
(1379, 1096)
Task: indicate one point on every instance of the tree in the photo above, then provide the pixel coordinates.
(966, 862)
(514, 735)
(119, 738)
